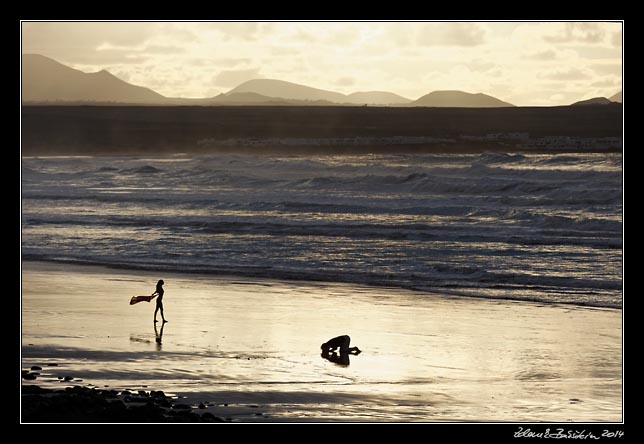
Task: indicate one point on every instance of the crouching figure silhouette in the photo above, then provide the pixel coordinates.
(337, 350)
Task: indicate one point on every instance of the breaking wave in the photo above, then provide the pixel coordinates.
(519, 226)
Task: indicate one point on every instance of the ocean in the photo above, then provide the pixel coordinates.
(533, 227)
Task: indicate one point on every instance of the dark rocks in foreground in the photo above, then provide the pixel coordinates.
(84, 405)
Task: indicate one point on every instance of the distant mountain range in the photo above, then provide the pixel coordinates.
(293, 91)
(617, 98)
(45, 80)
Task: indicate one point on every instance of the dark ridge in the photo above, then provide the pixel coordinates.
(141, 129)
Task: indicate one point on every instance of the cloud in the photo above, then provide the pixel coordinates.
(480, 65)
(208, 62)
(345, 81)
(545, 55)
(557, 97)
(249, 31)
(598, 53)
(98, 60)
(451, 34)
(577, 32)
(348, 34)
(231, 61)
(567, 74)
(607, 69)
(616, 39)
(88, 43)
(181, 32)
(163, 49)
(81, 36)
(232, 78)
(141, 49)
(284, 51)
(606, 83)
(496, 72)
(402, 35)
(302, 36)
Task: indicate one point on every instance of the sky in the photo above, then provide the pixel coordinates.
(524, 63)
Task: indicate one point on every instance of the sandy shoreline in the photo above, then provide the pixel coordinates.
(247, 346)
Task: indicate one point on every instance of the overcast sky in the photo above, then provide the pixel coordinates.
(528, 63)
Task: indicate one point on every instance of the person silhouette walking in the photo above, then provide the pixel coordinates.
(159, 293)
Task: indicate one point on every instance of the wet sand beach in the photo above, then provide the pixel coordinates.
(248, 350)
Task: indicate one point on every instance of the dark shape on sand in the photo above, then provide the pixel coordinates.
(337, 350)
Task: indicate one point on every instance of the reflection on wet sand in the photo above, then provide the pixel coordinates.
(427, 357)
(158, 334)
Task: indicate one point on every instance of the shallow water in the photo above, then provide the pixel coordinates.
(254, 345)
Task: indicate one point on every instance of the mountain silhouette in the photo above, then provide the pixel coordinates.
(376, 98)
(250, 98)
(245, 98)
(459, 99)
(46, 80)
(616, 98)
(593, 101)
(286, 90)
(280, 89)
